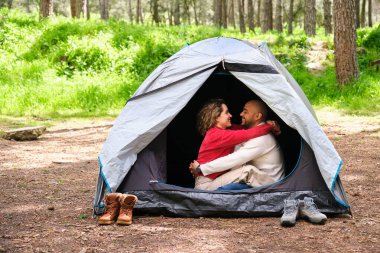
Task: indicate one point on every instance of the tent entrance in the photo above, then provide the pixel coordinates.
(183, 139)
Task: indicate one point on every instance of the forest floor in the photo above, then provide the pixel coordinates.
(47, 188)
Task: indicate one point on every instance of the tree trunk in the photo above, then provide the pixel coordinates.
(87, 10)
(278, 19)
(130, 13)
(46, 8)
(290, 19)
(177, 13)
(362, 16)
(156, 17)
(231, 15)
(195, 12)
(357, 11)
(104, 11)
(258, 13)
(251, 25)
(327, 16)
(217, 13)
(370, 13)
(267, 22)
(310, 18)
(241, 16)
(27, 6)
(139, 17)
(224, 13)
(186, 11)
(346, 64)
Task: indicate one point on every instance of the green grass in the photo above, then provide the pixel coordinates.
(61, 68)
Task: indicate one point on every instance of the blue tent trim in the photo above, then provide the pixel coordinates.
(103, 176)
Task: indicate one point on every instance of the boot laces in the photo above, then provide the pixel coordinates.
(311, 207)
(290, 208)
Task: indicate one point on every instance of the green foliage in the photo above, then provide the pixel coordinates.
(61, 67)
(373, 39)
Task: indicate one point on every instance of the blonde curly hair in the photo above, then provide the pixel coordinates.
(207, 116)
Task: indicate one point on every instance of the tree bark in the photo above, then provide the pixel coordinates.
(224, 13)
(186, 11)
(177, 13)
(251, 25)
(241, 16)
(278, 19)
(346, 64)
(290, 18)
(370, 13)
(267, 22)
(258, 13)
(218, 13)
(46, 8)
(310, 18)
(130, 13)
(231, 15)
(327, 16)
(357, 11)
(195, 12)
(156, 17)
(139, 17)
(362, 16)
(104, 9)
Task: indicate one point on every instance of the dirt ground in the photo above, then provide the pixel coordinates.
(47, 187)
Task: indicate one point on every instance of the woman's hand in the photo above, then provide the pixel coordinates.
(194, 168)
(276, 130)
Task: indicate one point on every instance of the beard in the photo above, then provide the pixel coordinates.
(247, 123)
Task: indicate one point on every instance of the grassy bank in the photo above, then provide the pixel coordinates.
(61, 67)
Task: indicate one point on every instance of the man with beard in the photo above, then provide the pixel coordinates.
(256, 162)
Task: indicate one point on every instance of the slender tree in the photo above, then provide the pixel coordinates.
(370, 13)
(177, 13)
(258, 13)
(217, 13)
(139, 17)
(195, 12)
(346, 64)
(267, 22)
(251, 25)
(46, 8)
(231, 14)
(278, 19)
(290, 18)
(154, 8)
(357, 11)
(241, 16)
(327, 16)
(104, 9)
(186, 11)
(130, 13)
(310, 17)
(224, 13)
(362, 16)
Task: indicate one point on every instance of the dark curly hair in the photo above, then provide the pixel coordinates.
(207, 116)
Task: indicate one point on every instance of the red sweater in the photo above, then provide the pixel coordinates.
(220, 142)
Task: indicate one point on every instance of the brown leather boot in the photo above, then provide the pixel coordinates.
(112, 202)
(127, 201)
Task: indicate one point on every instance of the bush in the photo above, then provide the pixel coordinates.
(373, 39)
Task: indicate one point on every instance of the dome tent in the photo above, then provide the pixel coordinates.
(153, 140)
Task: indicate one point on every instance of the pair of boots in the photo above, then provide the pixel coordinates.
(305, 208)
(120, 206)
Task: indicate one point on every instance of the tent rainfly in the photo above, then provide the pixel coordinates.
(154, 139)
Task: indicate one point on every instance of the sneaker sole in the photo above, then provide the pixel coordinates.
(287, 224)
(317, 222)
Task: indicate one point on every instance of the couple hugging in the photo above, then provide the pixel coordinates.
(231, 155)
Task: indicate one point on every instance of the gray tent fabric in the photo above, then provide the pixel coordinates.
(168, 90)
